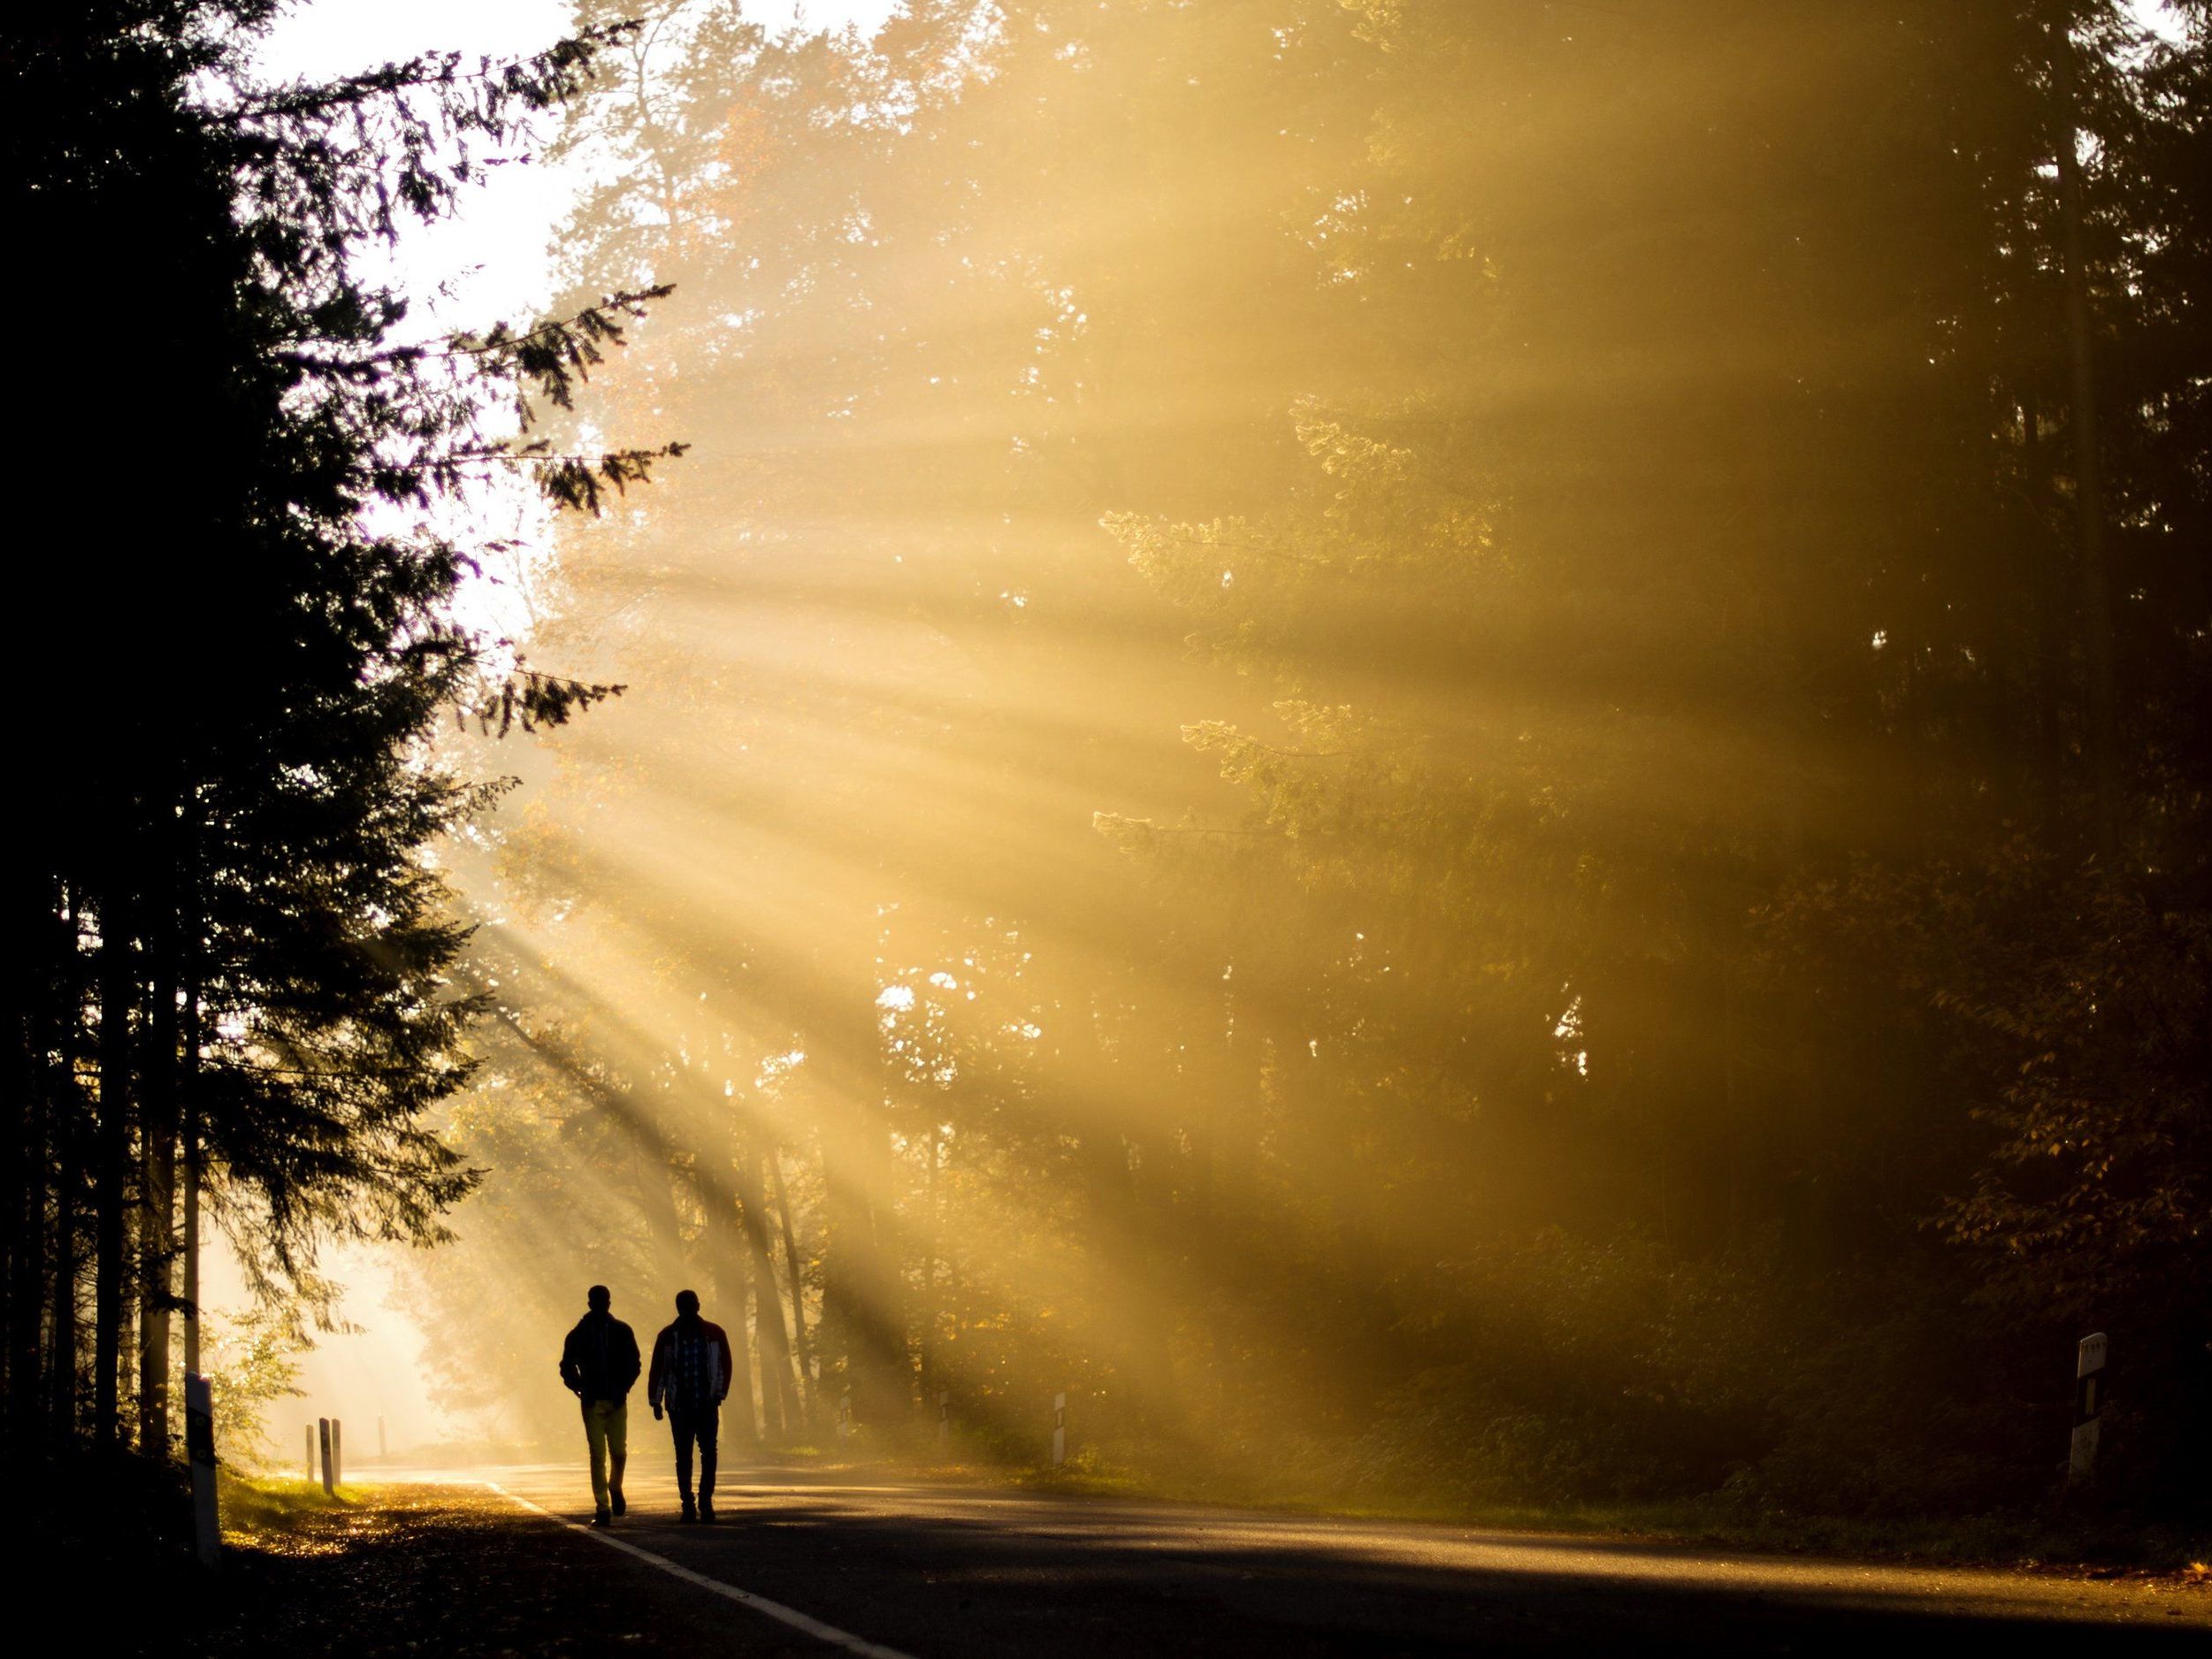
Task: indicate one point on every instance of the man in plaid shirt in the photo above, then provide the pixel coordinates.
(690, 1373)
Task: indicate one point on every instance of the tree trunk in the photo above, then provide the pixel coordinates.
(863, 1326)
(23, 1168)
(718, 1178)
(723, 1255)
(743, 1423)
(778, 1407)
(62, 1334)
(157, 1220)
(111, 1164)
(191, 1298)
(156, 1256)
(932, 1247)
(189, 944)
(841, 1251)
(2043, 759)
(2101, 695)
(27, 1268)
(800, 1344)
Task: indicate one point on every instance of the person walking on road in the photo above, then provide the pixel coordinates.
(599, 1365)
(691, 1374)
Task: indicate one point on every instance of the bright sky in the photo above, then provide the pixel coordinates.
(494, 254)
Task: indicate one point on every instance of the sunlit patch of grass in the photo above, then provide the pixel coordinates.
(1086, 1474)
(285, 1514)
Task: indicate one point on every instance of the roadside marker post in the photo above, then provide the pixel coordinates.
(199, 1446)
(944, 1422)
(337, 1452)
(1060, 1430)
(311, 1454)
(2089, 1355)
(844, 1418)
(330, 1483)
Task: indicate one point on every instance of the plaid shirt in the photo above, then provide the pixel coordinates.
(688, 1386)
(692, 1365)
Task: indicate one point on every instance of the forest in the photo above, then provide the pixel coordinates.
(1453, 751)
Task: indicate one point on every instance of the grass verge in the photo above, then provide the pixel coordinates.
(260, 1508)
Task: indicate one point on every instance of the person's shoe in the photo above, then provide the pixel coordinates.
(690, 1514)
(603, 1516)
(706, 1509)
(614, 1503)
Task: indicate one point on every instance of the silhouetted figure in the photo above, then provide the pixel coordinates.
(690, 1373)
(599, 1364)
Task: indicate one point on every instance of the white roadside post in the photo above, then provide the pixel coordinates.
(199, 1448)
(330, 1483)
(2081, 1464)
(1060, 1430)
(337, 1453)
(199, 1398)
(944, 1423)
(844, 1418)
(311, 1454)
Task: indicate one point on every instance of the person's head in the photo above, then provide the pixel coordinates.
(687, 1303)
(597, 1298)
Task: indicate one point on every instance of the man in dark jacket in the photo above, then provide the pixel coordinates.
(690, 1373)
(599, 1365)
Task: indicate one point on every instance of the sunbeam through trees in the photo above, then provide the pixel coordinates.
(1456, 754)
(1378, 731)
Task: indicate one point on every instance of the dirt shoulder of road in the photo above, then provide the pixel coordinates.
(453, 1572)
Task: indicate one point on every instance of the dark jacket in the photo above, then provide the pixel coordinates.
(600, 1359)
(662, 1386)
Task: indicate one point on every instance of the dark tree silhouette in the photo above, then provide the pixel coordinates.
(229, 956)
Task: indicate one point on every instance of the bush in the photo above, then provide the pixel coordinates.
(1586, 1370)
(1578, 1371)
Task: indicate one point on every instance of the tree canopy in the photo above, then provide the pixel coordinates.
(1672, 539)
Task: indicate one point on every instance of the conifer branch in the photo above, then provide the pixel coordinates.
(559, 70)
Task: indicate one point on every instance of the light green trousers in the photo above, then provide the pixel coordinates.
(607, 1431)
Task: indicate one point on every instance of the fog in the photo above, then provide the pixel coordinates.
(1371, 733)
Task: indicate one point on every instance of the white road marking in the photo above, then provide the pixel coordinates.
(777, 1610)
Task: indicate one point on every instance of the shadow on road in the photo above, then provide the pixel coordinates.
(933, 1570)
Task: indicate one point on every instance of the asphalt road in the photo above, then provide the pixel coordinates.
(929, 1570)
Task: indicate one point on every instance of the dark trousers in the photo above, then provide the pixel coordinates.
(691, 1423)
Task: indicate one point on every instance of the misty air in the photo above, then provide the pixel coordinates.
(1077, 827)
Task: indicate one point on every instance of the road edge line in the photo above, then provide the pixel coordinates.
(790, 1615)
